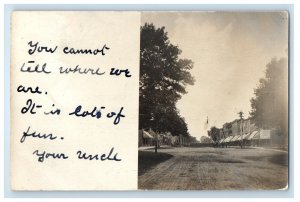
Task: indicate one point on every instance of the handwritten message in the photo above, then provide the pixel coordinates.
(74, 100)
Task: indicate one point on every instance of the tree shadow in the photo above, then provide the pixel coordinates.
(148, 160)
(280, 159)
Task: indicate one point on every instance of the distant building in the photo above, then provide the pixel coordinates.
(150, 138)
(244, 132)
(238, 127)
(226, 130)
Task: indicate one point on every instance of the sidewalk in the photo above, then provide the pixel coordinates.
(145, 148)
(152, 147)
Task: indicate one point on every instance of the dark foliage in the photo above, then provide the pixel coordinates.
(270, 104)
(163, 80)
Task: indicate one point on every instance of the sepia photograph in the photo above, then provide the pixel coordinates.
(213, 101)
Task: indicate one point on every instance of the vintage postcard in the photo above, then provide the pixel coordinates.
(149, 100)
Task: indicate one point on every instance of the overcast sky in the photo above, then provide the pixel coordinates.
(230, 52)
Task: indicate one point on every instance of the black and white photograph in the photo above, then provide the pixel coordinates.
(152, 102)
(213, 100)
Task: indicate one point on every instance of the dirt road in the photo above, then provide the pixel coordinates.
(184, 168)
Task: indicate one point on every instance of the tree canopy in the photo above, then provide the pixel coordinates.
(163, 80)
(205, 139)
(270, 104)
(214, 133)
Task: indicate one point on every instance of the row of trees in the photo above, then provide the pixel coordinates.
(270, 103)
(164, 77)
(163, 80)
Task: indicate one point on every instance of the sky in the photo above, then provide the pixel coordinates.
(230, 51)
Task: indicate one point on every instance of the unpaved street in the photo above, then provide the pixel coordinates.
(209, 168)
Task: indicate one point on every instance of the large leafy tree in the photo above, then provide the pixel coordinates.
(163, 80)
(270, 104)
(214, 133)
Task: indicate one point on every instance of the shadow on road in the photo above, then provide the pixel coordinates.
(280, 159)
(148, 160)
